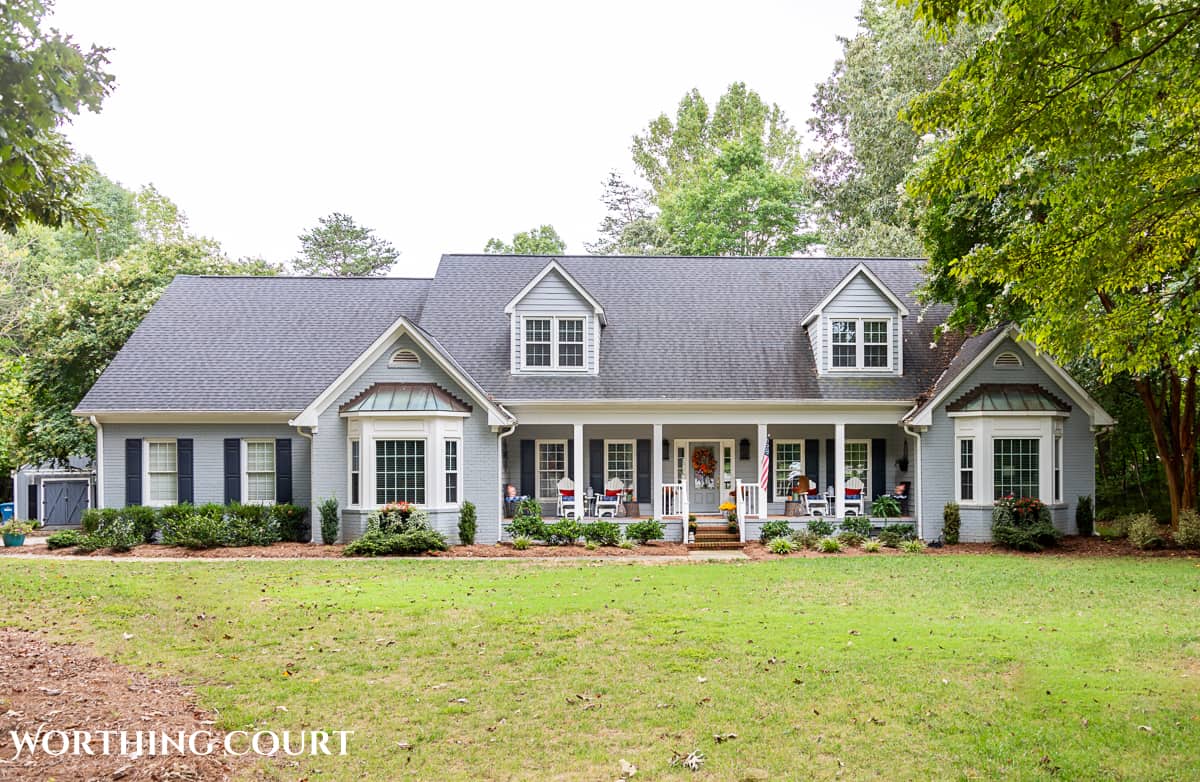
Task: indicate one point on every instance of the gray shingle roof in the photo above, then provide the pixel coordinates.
(694, 328)
(250, 343)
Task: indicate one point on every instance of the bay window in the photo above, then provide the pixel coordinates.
(451, 476)
(355, 472)
(966, 470)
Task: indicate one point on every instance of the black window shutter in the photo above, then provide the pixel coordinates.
(596, 464)
(233, 470)
(830, 464)
(770, 469)
(878, 467)
(528, 467)
(812, 461)
(283, 471)
(643, 471)
(183, 456)
(571, 460)
(133, 471)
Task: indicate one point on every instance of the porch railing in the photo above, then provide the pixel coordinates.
(746, 497)
(674, 500)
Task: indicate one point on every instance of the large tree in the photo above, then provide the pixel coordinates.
(866, 150)
(730, 180)
(1063, 192)
(543, 240)
(340, 247)
(45, 79)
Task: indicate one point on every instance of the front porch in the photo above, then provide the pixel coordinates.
(677, 470)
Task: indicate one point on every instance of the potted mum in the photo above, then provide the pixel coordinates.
(730, 510)
(14, 532)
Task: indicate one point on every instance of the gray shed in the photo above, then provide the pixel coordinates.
(57, 496)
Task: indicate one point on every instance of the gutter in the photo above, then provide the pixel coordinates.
(512, 428)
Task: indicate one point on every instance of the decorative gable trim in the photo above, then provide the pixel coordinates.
(989, 389)
(554, 266)
(923, 415)
(497, 415)
(872, 278)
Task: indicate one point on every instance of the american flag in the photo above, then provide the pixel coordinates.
(764, 473)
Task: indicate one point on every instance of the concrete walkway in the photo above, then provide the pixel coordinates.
(717, 554)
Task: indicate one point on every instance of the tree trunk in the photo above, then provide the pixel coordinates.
(1171, 408)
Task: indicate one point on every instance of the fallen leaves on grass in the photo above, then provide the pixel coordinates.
(692, 761)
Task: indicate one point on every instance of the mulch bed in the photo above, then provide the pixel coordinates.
(54, 687)
(655, 549)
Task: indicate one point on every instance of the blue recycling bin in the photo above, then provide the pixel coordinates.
(6, 511)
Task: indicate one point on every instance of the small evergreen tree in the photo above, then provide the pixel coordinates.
(329, 521)
(466, 524)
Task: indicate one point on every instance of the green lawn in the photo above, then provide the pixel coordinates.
(916, 667)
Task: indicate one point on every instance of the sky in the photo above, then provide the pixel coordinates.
(438, 124)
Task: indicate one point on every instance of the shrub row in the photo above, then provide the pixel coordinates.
(1144, 531)
(191, 526)
(855, 530)
(397, 530)
(527, 526)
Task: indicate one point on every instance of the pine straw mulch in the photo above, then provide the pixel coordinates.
(49, 687)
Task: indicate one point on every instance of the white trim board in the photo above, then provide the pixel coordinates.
(1099, 417)
(864, 270)
(555, 266)
(497, 416)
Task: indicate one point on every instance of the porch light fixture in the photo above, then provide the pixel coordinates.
(744, 450)
(666, 451)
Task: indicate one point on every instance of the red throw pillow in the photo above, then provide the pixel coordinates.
(567, 492)
(813, 492)
(853, 492)
(608, 493)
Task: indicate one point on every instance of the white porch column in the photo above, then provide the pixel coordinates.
(839, 469)
(578, 477)
(758, 454)
(656, 478)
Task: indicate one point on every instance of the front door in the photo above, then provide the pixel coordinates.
(704, 477)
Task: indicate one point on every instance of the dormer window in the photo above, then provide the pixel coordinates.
(554, 342)
(860, 343)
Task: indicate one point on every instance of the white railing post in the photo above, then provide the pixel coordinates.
(741, 510)
(684, 511)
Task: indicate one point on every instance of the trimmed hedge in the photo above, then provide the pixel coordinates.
(642, 532)
(602, 533)
(392, 544)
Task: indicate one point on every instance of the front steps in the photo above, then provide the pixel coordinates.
(715, 537)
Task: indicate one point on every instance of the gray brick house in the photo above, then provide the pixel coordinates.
(670, 377)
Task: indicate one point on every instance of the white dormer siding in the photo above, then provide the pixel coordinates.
(557, 299)
(864, 302)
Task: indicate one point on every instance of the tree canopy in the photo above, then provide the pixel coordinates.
(45, 79)
(543, 240)
(339, 247)
(1062, 191)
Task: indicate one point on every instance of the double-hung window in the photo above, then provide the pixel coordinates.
(787, 453)
(1058, 468)
(162, 473)
(1015, 467)
(861, 344)
(858, 461)
(399, 471)
(452, 471)
(551, 467)
(258, 472)
(966, 470)
(355, 472)
(554, 343)
(619, 463)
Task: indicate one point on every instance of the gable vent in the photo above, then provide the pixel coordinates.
(1007, 361)
(404, 358)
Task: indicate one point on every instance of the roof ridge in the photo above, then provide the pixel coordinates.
(691, 257)
(295, 277)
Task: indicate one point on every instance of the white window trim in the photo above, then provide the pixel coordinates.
(985, 429)
(146, 499)
(958, 468)
(246, 473)
(431, 486)
(457, 471)
(350, 503)
(859, 343)
(867, 480)
(775, 461)
(633, 464)
(537, 466)
(554, 319)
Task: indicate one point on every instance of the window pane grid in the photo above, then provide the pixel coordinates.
(162, 467)
(162, 457)
(1015, 467)
(620, 464)
(966, 469)
(260, 457)
(857, 462)
(452, 471)
(785, 454)
(552, 468)
(399, 471)
(355, 471)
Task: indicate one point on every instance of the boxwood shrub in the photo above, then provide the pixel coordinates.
(392, 544)
(602, 533)
(642, 532)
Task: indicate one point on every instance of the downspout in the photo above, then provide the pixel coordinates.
(99, 462)
(917, 480)
(315, 530)
(500, 476)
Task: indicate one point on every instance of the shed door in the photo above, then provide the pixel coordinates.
(65, 502)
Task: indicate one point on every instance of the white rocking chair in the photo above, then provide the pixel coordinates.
(568, 499)
(854, 503)
(815, 503)
(607, 504)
